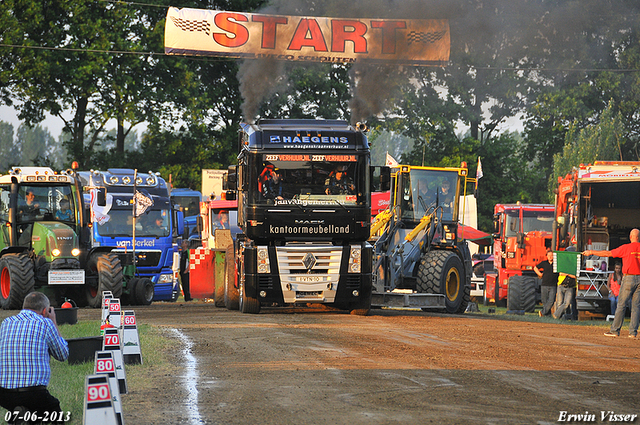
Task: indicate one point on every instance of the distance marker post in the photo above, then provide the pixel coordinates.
(98, 405)
(130, 339)
(112, 342)
(115, 313)
(104, 364)
(106, 296)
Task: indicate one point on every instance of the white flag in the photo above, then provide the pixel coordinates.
(143, 202)
(100, 214)
(479, 171)
(390, 161)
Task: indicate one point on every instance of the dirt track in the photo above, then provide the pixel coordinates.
(287, 366)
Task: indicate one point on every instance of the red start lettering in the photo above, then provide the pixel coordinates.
(343, 31)
(224, 22)
(389, 34)
(308, 33)
(311, 28)
(269, 26)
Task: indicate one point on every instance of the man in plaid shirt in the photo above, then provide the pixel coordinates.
(26, 342)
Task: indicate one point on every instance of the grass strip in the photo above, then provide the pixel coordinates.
(67, 381)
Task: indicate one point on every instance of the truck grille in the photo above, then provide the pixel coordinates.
(309, 272)
(144, 258)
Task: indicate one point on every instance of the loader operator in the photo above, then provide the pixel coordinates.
(445, 197)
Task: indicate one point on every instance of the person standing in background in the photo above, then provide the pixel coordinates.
(630, 289)
(184, 270)
(614, 286)
(549, 284)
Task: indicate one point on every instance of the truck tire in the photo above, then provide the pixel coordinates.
(514, 293)
(109, 271)
(248, 304)
(442, 272)
(522, 294)
(144, 291)
(16, 280)
(231, 295)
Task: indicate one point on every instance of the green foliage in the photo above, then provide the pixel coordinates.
(9, 152)
(602, 141)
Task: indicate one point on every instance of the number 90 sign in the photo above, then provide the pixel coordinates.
(98, 392)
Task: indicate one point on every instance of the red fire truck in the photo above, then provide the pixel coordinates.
(522, 234)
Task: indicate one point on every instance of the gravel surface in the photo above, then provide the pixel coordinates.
(316, 366)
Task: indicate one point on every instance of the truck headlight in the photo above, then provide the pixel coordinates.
(55, 252)
(263, 260)
(75, 252)
(354, 259)
(165, 278)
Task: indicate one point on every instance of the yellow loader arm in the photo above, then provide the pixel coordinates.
(424, 222)
(381, 220)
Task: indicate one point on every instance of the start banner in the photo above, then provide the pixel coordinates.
(295, 38)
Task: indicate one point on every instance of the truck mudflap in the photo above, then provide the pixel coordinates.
(401, 299)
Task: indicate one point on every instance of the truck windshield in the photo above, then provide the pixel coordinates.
(46, 203)
(531, 221)
(426, 189)
(537, 220)
(224, 219)
(312, 179)
(189, 204)
(120, 224)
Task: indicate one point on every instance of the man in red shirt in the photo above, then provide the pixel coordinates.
(630, 254)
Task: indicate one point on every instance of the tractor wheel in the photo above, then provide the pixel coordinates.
(442, 272)
(231, 295)
(129, 297)
(522, 294)
(144, 291)
(16, 280)
(248, 304)
(109, 271)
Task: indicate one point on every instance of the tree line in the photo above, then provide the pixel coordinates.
(569, 69)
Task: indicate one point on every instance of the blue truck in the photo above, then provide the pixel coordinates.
(109, 197)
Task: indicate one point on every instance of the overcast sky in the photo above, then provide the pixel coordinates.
(54, 125)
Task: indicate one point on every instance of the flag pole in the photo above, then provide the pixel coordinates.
(133, 240)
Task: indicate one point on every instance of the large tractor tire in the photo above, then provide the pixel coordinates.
(109, 271)
(16, 280)
(442, 272)
(522, 294)
(231, 294)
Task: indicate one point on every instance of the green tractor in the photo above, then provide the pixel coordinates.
(45, 241)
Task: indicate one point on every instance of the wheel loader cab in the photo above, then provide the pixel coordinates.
(423, 191)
